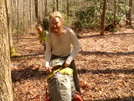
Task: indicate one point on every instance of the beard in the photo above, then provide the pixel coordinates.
(56, 31)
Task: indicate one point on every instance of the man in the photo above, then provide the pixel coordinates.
(59, 42)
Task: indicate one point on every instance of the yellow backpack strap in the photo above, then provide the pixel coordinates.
(67, 71)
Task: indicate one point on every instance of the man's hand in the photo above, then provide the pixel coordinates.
(48, 69)
(67, 63)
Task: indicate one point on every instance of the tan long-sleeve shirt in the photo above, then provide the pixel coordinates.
(65, 45)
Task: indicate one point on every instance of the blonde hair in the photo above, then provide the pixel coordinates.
(56, 14)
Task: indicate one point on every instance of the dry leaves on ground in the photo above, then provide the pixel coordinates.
(105, 66)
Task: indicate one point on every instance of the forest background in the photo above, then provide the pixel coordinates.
(109, 77)
(77, 13)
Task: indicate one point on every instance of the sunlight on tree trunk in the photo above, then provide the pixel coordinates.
(9, 21)
(6, 93)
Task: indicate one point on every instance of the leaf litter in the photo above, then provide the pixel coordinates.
(105, 67)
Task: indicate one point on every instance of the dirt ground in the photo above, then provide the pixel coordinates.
(105, 66)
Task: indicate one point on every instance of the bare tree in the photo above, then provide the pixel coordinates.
(46, 10)
(5, 75)
(67, 9)
(129, 14)
(9, 21)
(36, 12)
(17, 19)
(103, 17)
(31, 17)
(57, 5)
(115, 12)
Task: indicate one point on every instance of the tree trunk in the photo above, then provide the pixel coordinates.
(30, 12)
(5, 74)
(67, 9)
(46, 10)
(129, 14)
(17, 20)
(9, 21)
(103, 18)
(36, 11)
(114, 12)
(57, 5)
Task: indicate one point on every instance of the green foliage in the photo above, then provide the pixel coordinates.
(87, 17)
(91, 16)
(120, 13)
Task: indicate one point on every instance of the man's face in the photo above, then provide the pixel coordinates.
(55, 25)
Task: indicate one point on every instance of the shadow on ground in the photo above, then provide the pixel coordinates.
(105, 53)
(131, 98)
(28, 73)
(107, 71)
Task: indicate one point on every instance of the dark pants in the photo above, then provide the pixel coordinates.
(73, 66)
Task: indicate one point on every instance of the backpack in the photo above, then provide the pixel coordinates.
(61, 85)
(60, 82)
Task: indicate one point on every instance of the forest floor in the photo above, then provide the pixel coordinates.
(105, 67)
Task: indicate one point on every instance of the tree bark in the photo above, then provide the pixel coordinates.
(57, 5)
(67, 9)
(5, 75)
(46, 10)
(9, 21)
(103, 18)
(36, 10)
(114, 12)
(129, 14)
